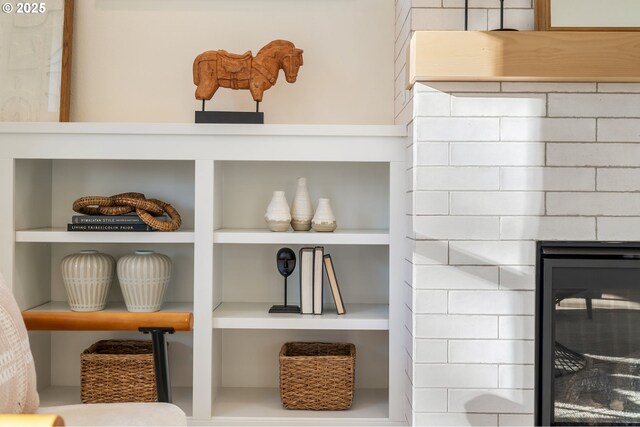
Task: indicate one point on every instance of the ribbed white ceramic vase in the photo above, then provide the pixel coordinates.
(144, 277)
(301, 207)
(278, 215)
(87, 278)
(324, 219)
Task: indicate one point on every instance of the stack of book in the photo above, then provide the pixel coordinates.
(311, 262)
(126, 222)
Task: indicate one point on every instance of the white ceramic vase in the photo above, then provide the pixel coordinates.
(324, 219)
(278, 215)
(144, 276)
(87, 278)
(301, 208)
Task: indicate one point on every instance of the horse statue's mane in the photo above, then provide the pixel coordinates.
(272, 48)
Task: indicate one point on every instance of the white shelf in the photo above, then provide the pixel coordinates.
(370, 406)
(338, 237)
(70, 395)
(112, 307)
(61, 235)
(240, 315)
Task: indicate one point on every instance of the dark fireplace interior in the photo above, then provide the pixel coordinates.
(588, 333)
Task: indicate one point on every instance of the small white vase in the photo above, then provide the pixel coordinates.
(87, 278)
(301, 208)
(324, 219)
(144, 276)
(278, 215)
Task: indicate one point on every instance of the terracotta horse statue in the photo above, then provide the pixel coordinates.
(218, 68)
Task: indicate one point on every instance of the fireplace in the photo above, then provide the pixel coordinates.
(587, 333)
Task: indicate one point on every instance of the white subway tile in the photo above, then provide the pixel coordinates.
(492, 302)
(515, 420)
(619, 130)
(409, 342)
(492, 253)
(458, 420)
(451, 87)
(619, 87)
(611, 179)
(491, 401)
(548, 129)
(432, 154)
(408, 368)
(498, 105)
(491, 351)
(519, 19)
(460, 376)
(594, 105)
(547, 228)
(619, 228)
(497, 154)
(432, 104)
(497, 203)
(431, 202)
(488, 4)
(516, 376)
(431, 252)
(547, 87)
(457, 227)
(589, 204)
(547, 179)
(431, 351)
(452, 326)
(447, 19)
(517, 278)
(457, 178)
(427, 301)
(594, 154)
(430, 400)
(426, 3)
(453, 277)
(407, 296)
(458, 129)
(516, 327)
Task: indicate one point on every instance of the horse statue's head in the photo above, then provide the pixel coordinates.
(291, 63)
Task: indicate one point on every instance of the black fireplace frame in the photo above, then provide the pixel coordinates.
(585, 253)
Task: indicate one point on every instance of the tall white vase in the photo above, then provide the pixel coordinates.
(144, 276)
(301, 208)
(87, 278)
(278, 215)
(324, 219)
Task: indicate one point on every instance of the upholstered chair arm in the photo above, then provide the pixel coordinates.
(35, 420)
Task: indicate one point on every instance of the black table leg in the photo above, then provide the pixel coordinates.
(160, 361)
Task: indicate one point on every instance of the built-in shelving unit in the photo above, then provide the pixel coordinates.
(220, 178)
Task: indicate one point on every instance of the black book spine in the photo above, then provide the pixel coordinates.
(108, 227)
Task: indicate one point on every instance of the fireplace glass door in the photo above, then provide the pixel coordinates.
(589, 341)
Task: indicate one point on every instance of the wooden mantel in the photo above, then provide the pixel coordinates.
(546, 56)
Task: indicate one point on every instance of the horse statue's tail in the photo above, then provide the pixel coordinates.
(204, 56)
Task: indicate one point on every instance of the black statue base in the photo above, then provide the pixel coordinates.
(284, 309)
(242, 117)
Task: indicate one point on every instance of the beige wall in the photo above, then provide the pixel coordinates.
(132, 59)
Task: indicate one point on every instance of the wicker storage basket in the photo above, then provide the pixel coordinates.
(317, 376)
(118, 371)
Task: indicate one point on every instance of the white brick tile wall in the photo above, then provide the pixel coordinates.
(516, 327)
(409, 343)
(430, 400)
(619, 87)
(457, 178)
(443, 326)
(547, 179)
(491, 351)
(516, 376)
(515, 420)
(492, 253)
(458, 87)
(497, 153)
(596, 154)
(488, 4)
(457, 227)
(456, 277)
(459, 376)
(431, 202)
(623, 179)
(548, 129)
(433, 104)
(517, 277)
(426, 3)
(447, 19)
(431, 351)
(622, 204)
(491, 302)
(427, 301)
(519, 19)
(432, 153)
(431, 252)
(498, 105)
(593, 105)
(547, 87)
(455, 420)
(619, 130)
(619, 229)
(497, 203)
(461, 129)
(547, 228)
(491, 401)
